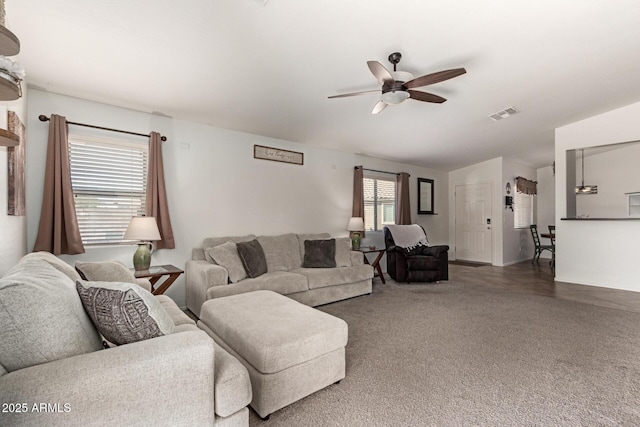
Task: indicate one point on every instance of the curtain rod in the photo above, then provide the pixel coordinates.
(375, 170)
(44, 118)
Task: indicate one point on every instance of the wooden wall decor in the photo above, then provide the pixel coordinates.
(16, 161)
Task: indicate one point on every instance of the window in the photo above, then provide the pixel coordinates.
(522, 210)
(109, 180)
(379, 203)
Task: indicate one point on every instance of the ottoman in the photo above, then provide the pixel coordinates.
(290, 350)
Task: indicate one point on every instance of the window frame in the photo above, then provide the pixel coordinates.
(112, 206)
(379, 205)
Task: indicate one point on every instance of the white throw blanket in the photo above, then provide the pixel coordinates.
(408, 236)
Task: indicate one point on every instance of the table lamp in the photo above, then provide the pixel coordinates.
(355, 226)
(144, 229)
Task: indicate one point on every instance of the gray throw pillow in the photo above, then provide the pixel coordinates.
(124, 313)
(252, 257)
(343, 252)
(105, 271)
(319, 253)
(226, 255)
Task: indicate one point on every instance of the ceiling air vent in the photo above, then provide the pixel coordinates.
(507, 112)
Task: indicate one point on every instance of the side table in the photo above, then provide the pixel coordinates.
(155, 272)
(376, 262)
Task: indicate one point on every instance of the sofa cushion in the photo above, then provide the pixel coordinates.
(123, 312)
(303, 237)
(55, 262)
(319, 253)
(282, 252)
(105, 271)
(324, 277)
(177, 316)
(252, 257)
(42, 317)
(211, 242)
(282, 282)
(343, 252)
(226, 255)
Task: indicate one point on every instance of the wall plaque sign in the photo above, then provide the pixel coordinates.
(277, 155)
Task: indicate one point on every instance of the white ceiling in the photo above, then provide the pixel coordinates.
(268, 70)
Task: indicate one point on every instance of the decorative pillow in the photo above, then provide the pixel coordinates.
(252, 257)
(122, 312)
(319, 253)
(226, 255)
(42, 317)
(105, 271)
(343, 252)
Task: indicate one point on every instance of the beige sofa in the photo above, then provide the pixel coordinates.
(285, 275)
(54, 372)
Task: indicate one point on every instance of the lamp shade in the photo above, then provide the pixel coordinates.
(355, 224)
(142, 228)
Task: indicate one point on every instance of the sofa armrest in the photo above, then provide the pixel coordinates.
(168, 379)
(200, 276)
(357, 258)
(435, 251)
(144, 284)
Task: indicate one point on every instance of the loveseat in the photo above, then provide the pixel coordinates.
(285, 274)
(54, 370)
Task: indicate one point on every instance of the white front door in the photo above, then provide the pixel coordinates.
(473, 222)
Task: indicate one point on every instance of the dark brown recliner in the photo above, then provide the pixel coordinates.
(421, 264)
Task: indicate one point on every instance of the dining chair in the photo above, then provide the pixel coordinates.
(538, 246)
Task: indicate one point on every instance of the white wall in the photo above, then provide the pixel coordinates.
(13, 229)
(612, 182)
(517, 244)
(489, 172)
(216, 188)
(545, 204)
(599, 253)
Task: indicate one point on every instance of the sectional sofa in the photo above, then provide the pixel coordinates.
(284, 253)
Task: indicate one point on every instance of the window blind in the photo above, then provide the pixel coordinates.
(522, 210)
(109, 180)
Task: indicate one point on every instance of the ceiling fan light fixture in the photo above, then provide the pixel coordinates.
(402, 76)
(395, 97)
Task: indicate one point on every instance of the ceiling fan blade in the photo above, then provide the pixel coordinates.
(381, 105)
(430, 79)
(344, 95)
(425, 97)
(380, 73)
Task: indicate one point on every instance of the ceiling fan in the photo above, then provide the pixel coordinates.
(397, 85)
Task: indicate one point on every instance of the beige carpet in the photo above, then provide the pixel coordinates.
(455, 354)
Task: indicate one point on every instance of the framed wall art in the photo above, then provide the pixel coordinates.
(15, 167)
(277, 155)
(425, 196)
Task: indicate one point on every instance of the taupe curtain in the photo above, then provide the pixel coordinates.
(525, 186)
(156, 202)
(358, 194)
(58, 231)
(403, 204)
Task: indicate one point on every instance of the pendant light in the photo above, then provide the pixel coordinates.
(585, 189)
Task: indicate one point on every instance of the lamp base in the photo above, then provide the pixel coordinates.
(142, 257)
(355, 240)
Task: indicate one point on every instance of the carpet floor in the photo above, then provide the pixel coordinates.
(459, 354)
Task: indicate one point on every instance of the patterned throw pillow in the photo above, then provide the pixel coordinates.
(124, 312)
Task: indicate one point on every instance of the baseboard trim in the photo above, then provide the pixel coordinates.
(579, 282)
